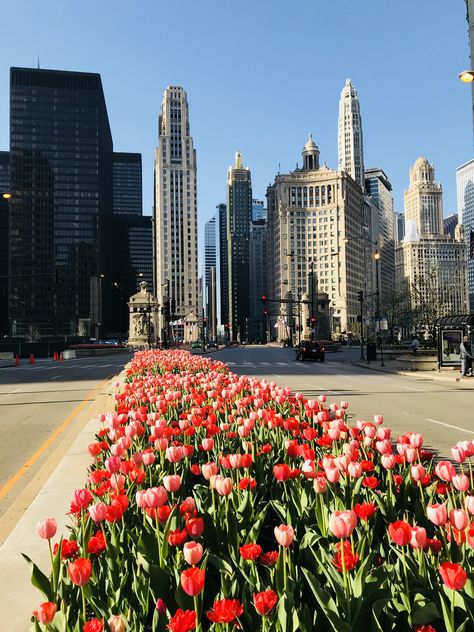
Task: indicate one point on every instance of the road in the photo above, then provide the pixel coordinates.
(441, 410)
(39, 406)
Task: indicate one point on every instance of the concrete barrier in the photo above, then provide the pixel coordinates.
(417, 363)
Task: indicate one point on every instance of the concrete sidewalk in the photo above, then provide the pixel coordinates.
(18, 598)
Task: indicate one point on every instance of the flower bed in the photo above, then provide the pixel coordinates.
(216, 502)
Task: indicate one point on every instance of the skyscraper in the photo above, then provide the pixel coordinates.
(258, 279)
(377, 185)
(449, 225)
(61, 181)
(400, 227)
(311, 212)
(175, 209)
(127, 183)
(349, 138)
(431, 263)
(4, 188)
(465, 203)
(239, 216)
(210, 258)
(223, 266)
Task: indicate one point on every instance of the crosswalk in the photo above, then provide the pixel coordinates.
(257, 364)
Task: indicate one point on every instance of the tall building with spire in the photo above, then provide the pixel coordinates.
(175, 210)
(349, 137)
(431, 263)
(239, 216)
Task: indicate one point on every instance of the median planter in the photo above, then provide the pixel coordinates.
(217, 502)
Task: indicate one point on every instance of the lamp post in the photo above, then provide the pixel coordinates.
(120, 289)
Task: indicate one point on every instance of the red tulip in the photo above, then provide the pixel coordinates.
(281, 472)
(400, 532)
(45, 613)
(195, 527)
(453, 575)
(350, 558)
(225, 611)
(192, 581)
(80, 571)
(250, 551)
(94, 625)
(182, 621)
(265, 601)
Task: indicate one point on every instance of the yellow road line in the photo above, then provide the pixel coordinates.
(36, 455)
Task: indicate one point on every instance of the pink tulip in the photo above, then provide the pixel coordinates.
(284, 535)
(411, 454)
(378, 419)
(445, 471)
(418, 537)
(320, 485)
(461, 482)
(148, 458)
(82, 498)
(384, 446)
(112, 464)
(224, 486)
(469, 504)
(437, 513)
(116, 623)
(141, 499)
(98, 512)
(208, 470)
(354, 469)
(174, 454)
(458, 454)
(207, 444)
(417, 472)
(47, 528)
(416, 440)
(343, 523)
(172, 482)
(333, 474)
(155, 497)
(192, 552)
(388, 461)
(459, 519)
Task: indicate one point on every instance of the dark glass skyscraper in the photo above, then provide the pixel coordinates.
(4, 188)
(223, 264)
(61, 181)
(127, 183)
(239, 216)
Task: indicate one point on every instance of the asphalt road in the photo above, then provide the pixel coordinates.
(442, 410)
(38, 405)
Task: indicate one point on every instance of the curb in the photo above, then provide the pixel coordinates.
(426, 374)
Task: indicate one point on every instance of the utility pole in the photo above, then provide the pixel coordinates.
(361, 300)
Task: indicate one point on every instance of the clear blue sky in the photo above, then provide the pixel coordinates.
(261, 74)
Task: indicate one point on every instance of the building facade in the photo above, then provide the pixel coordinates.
(431, 263)
(311, 212)
(349, 138)
(127, 183)
(400, 227)
(61, 182)
(175, 208)
(239, 216)
(210, 258)
(258, 210)
(465, 208)
(449, 225)
(378, 187)
(223, 266)
(258, 280)
(4, 204)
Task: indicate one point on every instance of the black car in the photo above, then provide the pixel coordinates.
(310, 350)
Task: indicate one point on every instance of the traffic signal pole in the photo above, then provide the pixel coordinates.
(361, 300)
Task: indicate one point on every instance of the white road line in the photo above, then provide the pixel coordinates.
(56, 377)
(441, 423)
(18, 390)
(282, 363)
(231, 363)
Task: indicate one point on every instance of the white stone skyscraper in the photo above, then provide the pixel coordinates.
(175, 212)
(349, 136)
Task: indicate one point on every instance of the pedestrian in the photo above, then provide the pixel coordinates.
(415, 343)
(465, 355)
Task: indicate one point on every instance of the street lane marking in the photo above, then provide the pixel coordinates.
(36, 455)
(441, 423)
(56, 377)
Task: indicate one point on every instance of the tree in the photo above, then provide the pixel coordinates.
(396, 306)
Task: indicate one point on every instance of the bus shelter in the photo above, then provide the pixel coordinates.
(450, 331)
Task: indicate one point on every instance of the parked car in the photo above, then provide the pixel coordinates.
(212, 344)
(196, 345)
(309, 350)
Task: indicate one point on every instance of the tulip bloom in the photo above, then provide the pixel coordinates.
(284, 535)
(400, 532)
(116, 623)
(459, 519)
(182, 621)
(418, 537)
(98, 512)
(80, 571)
(250, 551)
(453, 575)
(437, 513)
(192, 581)
(225, 611)
(342, 523)
(47, 528)
(172, 482)
(45, 613)
(265, 601)
(192, 552)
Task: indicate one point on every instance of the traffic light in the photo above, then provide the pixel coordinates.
(264, 299)
(308, 322)
(265, 313)
(313, 320)
(166, 308)
(360, 295)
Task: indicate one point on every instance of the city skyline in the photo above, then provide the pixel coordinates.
(402, 100)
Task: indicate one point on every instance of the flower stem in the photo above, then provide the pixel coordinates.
(55, 583)
(406, 583)
(452, 610)
(284, 569)
(198, 618)
(84, 612)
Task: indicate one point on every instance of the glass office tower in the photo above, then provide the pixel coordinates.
(61, 182)
(127, 183)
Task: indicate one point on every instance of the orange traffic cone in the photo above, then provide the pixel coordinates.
(32, 358)
(17, 361)
(55, 356)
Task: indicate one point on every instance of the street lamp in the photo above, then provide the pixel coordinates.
(466, 76)
(120, 289)
(6, 195)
